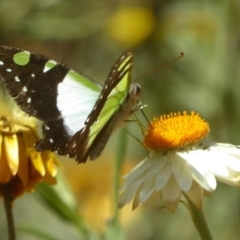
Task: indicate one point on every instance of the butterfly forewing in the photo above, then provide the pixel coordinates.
(50, 91)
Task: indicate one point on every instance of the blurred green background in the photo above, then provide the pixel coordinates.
(89, 36)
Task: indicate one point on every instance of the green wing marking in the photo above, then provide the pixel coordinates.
(116, 98)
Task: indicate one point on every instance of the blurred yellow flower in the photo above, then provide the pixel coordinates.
(181, 161)
(21, 167)
(131, 26)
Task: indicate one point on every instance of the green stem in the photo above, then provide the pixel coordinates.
(199, 221)
(121, 152)
(8, 202)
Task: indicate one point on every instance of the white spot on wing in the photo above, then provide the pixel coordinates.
(29, 100)
(74, 144)
(51, 140)
(47, 127)
(32, 75)
(1, 62)
(25, 89)
(17, 79)
(9, 70)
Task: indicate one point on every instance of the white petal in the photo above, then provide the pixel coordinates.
(133, 181)
(214, 162)
(198, 160)
(231, 161)
(230, 181)
(149, 180)
(195, 194)
(131, 189)
(182, 173)
(163, 176)
(171, 194)
(205, 179)
(147, 190)
(156, 200)
(127, 195)
(233, 178)
(158, 164)
(139, 169)
(228, 148)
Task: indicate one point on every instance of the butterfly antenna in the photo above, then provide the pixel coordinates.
(160, 67)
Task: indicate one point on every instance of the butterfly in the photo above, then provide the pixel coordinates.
(78, 114)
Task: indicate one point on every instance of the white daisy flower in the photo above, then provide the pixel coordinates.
(180, 162)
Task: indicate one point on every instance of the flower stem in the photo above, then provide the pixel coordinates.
(199, 221)
(8, 202)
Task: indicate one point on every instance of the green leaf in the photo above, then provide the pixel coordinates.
(61, 201)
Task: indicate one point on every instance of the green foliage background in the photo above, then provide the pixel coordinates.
(85, 35)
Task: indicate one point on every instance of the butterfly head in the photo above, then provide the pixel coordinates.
(134, 91)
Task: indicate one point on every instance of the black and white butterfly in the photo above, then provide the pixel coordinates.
(78, 114)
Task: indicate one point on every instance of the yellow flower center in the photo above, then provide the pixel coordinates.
(175, 131)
